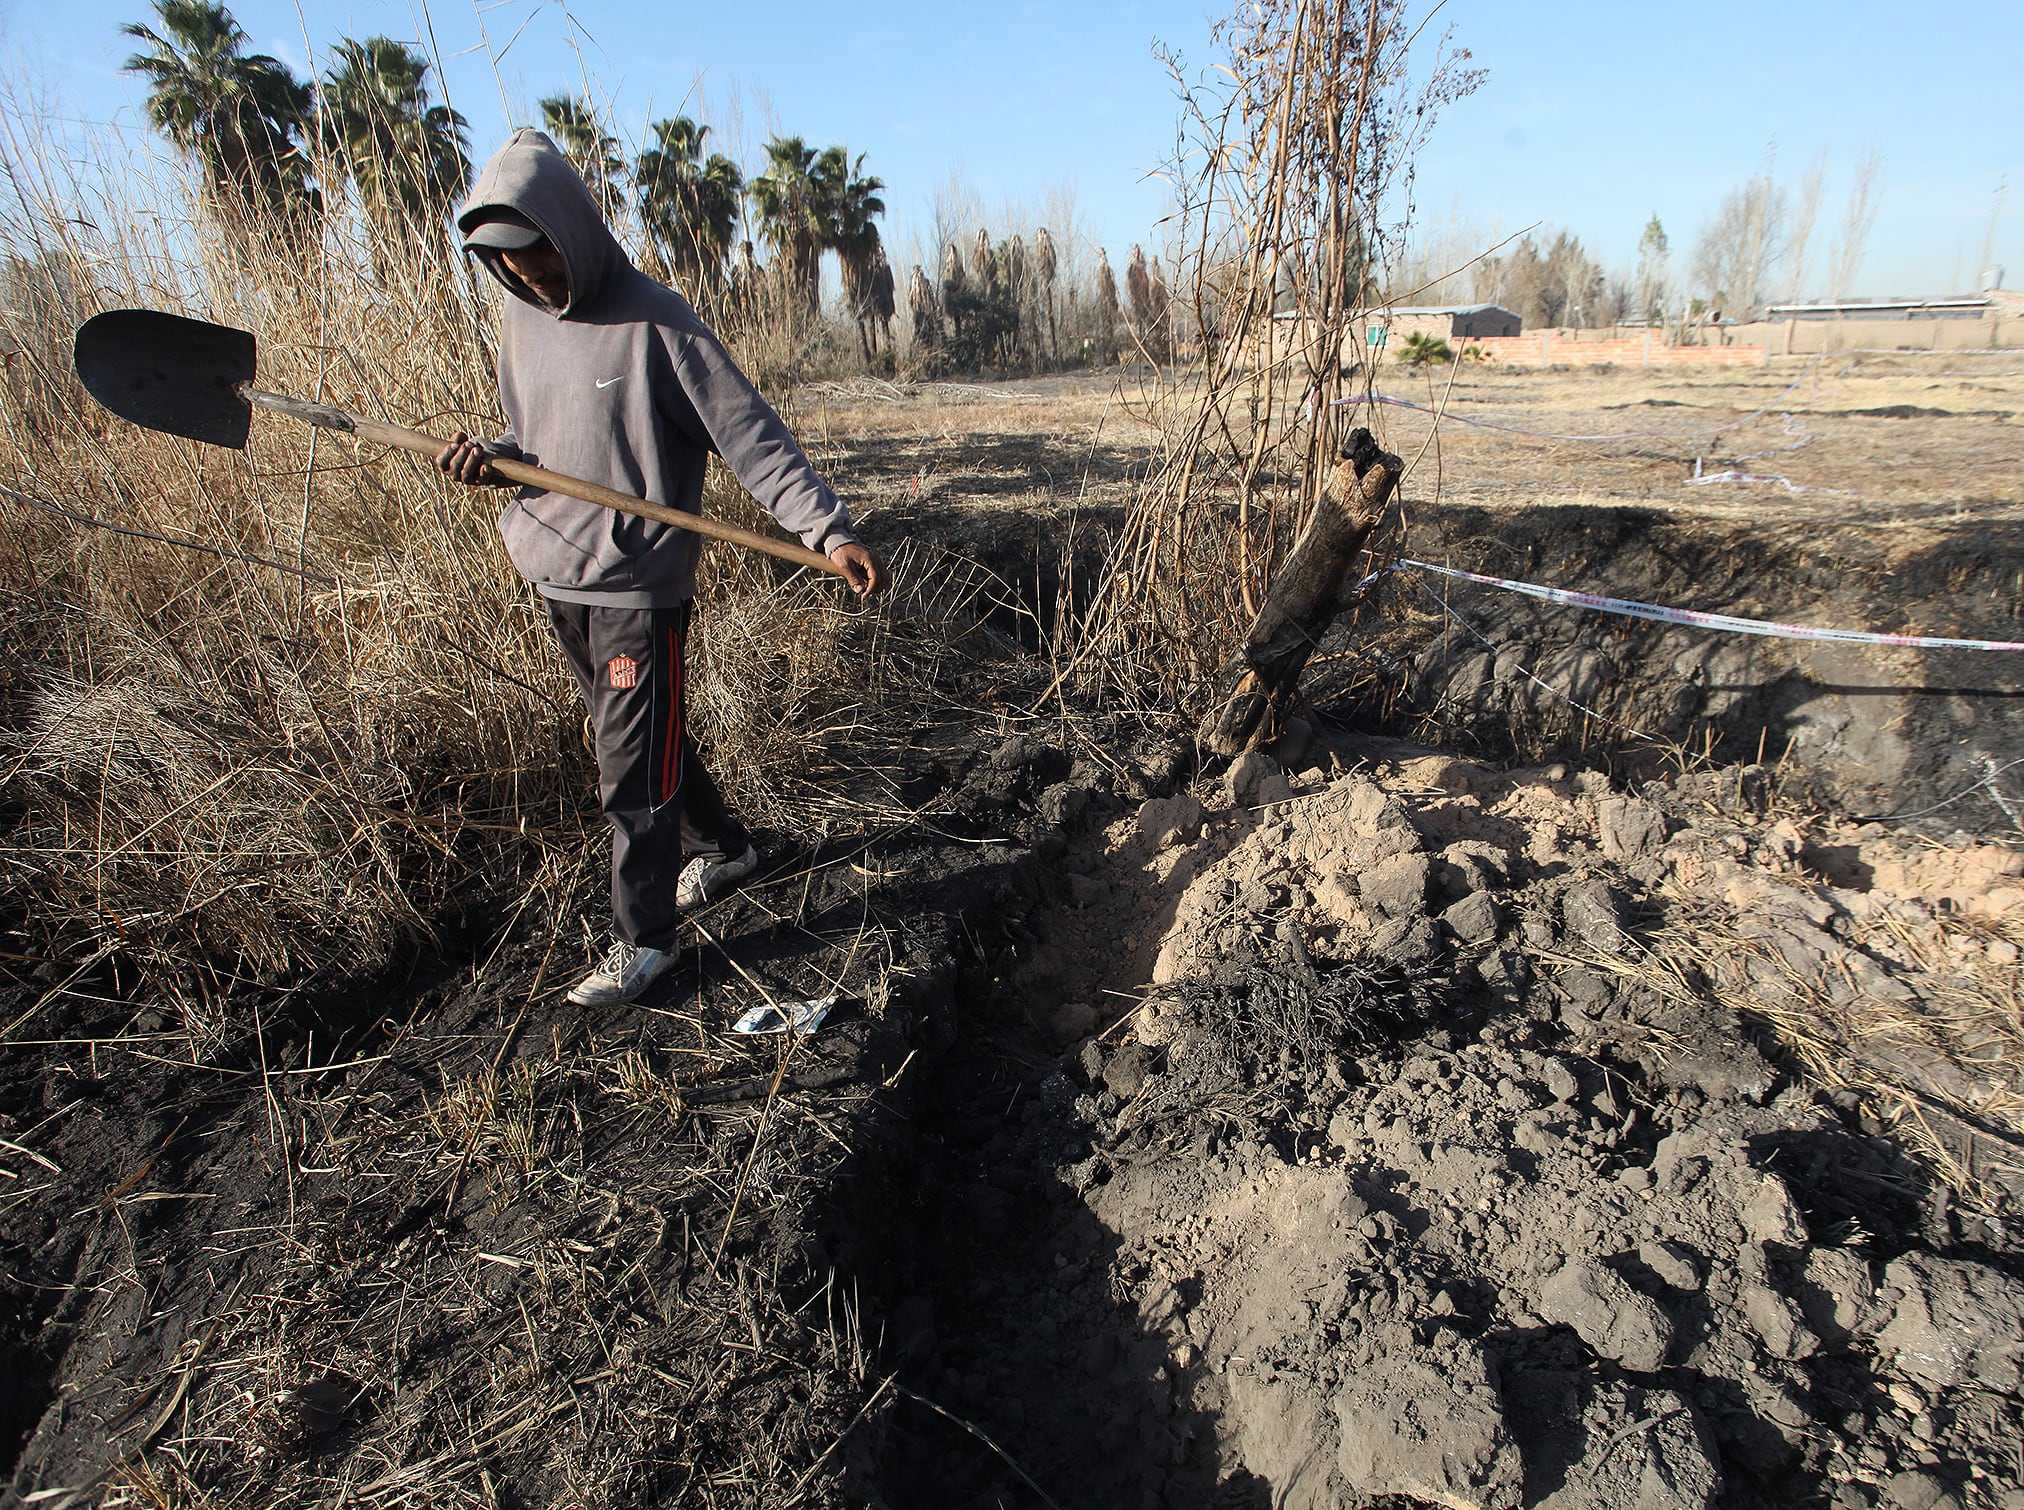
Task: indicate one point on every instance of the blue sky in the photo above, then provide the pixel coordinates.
(1594, 114)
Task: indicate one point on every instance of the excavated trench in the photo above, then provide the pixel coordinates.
(1554, 1126)
(1857, 730)
(1439, 1166)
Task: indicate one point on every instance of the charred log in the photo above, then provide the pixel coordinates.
(1304, 599)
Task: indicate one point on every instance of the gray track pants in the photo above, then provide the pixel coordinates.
(662, 803)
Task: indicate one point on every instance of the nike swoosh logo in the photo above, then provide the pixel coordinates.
(607, 382)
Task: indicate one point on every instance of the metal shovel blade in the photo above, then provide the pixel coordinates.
(167, 373)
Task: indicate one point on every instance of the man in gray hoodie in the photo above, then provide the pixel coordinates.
(609, 376)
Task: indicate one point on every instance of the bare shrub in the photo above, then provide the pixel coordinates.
(1294, 154)
(1865, 192)
(1738, 250)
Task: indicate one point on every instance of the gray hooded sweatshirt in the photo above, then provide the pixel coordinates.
(627, 387)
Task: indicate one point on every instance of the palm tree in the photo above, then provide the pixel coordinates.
(689, 206)
(848, 203)
(1046, 265)
(410, 158)
(792, 218)
(1423, 350)
(1104, 348)
(581, 136)
(239, 114)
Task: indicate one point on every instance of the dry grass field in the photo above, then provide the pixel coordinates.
(1911, 438)
(1577, 1063)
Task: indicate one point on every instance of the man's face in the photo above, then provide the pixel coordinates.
(540, 267)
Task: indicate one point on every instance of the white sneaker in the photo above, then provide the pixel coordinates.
(708, 876)
(626, 971)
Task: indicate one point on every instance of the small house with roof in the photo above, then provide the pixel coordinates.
(1447, 322)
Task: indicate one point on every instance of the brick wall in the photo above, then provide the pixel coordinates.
(1810, 337)
(1557, 348)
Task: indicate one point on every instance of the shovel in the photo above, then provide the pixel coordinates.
(194, 379)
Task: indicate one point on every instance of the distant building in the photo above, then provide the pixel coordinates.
(1447, 322)
(1386, 329)
(1451, 322)
(1963, 307)
(1991, 320)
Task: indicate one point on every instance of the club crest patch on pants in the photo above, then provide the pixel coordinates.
(624, 670)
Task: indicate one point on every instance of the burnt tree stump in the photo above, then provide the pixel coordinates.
(1303, 600)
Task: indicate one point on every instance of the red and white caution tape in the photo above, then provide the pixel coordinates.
(1375, 398)
(1732, 475)
(1730, 623)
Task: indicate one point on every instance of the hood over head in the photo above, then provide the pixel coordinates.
(531, 177)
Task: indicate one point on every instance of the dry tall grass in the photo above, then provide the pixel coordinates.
(1938, 1065)
(292, 705)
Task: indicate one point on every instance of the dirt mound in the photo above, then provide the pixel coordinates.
(1622, 1224)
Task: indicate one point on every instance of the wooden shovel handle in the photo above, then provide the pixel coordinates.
(332, 418)
(610, 498)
